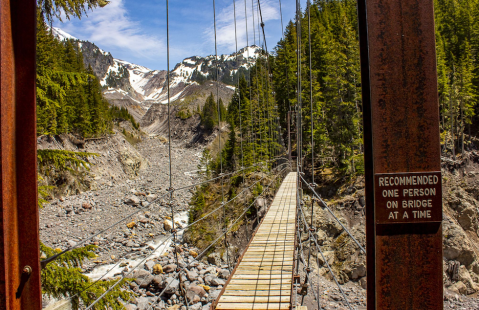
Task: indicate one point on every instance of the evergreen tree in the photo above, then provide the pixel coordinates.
(209, 115)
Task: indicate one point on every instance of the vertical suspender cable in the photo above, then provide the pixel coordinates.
(311, 91)
(239, 94)
(173, 229)
(219, 137)
(252, 140)
(169, 127)
(267, 105)
(312, 136)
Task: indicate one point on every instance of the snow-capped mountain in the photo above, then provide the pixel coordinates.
(61, 35)
(138, 88)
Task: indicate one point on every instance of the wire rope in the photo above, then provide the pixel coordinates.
(219, 134)
(331, 212)
(239, 92)
(252, 140)
(324, 258)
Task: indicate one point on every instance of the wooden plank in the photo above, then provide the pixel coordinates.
(263, 269)
(261, 282)
(267, 259)
(261, 276)
(250, 306)
(258, 287)
(255, 299)
(269, 254)
(258, 293)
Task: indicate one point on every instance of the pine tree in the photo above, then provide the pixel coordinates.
(209, 115)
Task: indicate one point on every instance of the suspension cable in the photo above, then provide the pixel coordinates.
(239, 92)
(171, 190)
(331, 212)
(219, 137)
(322, 255)
(311, 89)
(252, 140)
(252, 137)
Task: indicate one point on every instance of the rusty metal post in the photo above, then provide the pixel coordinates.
(402, 154)
(19, 235)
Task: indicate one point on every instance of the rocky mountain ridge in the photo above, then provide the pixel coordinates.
(138, 88)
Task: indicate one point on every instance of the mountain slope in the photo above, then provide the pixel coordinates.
(138, 88)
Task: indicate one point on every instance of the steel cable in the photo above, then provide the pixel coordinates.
(239, 93)
(331, 212)
(321, 252)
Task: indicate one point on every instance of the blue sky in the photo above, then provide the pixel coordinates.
(135, 31)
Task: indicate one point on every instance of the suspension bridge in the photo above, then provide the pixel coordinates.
(274, 270)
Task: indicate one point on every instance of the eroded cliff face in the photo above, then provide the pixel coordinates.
(460, 227)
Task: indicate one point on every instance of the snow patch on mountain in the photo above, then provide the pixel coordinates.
(60, 34)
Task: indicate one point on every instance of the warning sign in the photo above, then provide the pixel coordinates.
(413, 197)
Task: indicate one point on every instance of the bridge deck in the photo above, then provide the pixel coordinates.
(263, 278)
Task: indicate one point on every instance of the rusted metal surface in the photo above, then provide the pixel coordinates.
(401, 121)
(19, 235)
(368, 156)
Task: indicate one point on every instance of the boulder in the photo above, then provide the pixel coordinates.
(358, 271)
(197, 289)
(467, 217)
(149, 265)
(456, 245)
(143, 278)
(191, 275)
(151, 197)
(169, 268)
(458, 287)
(143, 303)
(224, 273)
(363, 282)
(158, 281)
(217, 282)
(208, 279)
(213, 295)
(466, 278)
(171, 285)
(214, 259)
(132, 163)
(328, 255)
(167, 225)
(132, 200)
(197, 305)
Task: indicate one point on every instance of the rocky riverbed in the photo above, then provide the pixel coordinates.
(127, 179)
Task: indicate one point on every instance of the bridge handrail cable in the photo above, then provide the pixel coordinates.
(331, 212)
(305, 223)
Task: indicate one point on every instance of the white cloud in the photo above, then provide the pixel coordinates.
(112, 28)
(225, 34)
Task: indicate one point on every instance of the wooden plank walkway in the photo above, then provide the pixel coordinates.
(263, 277)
